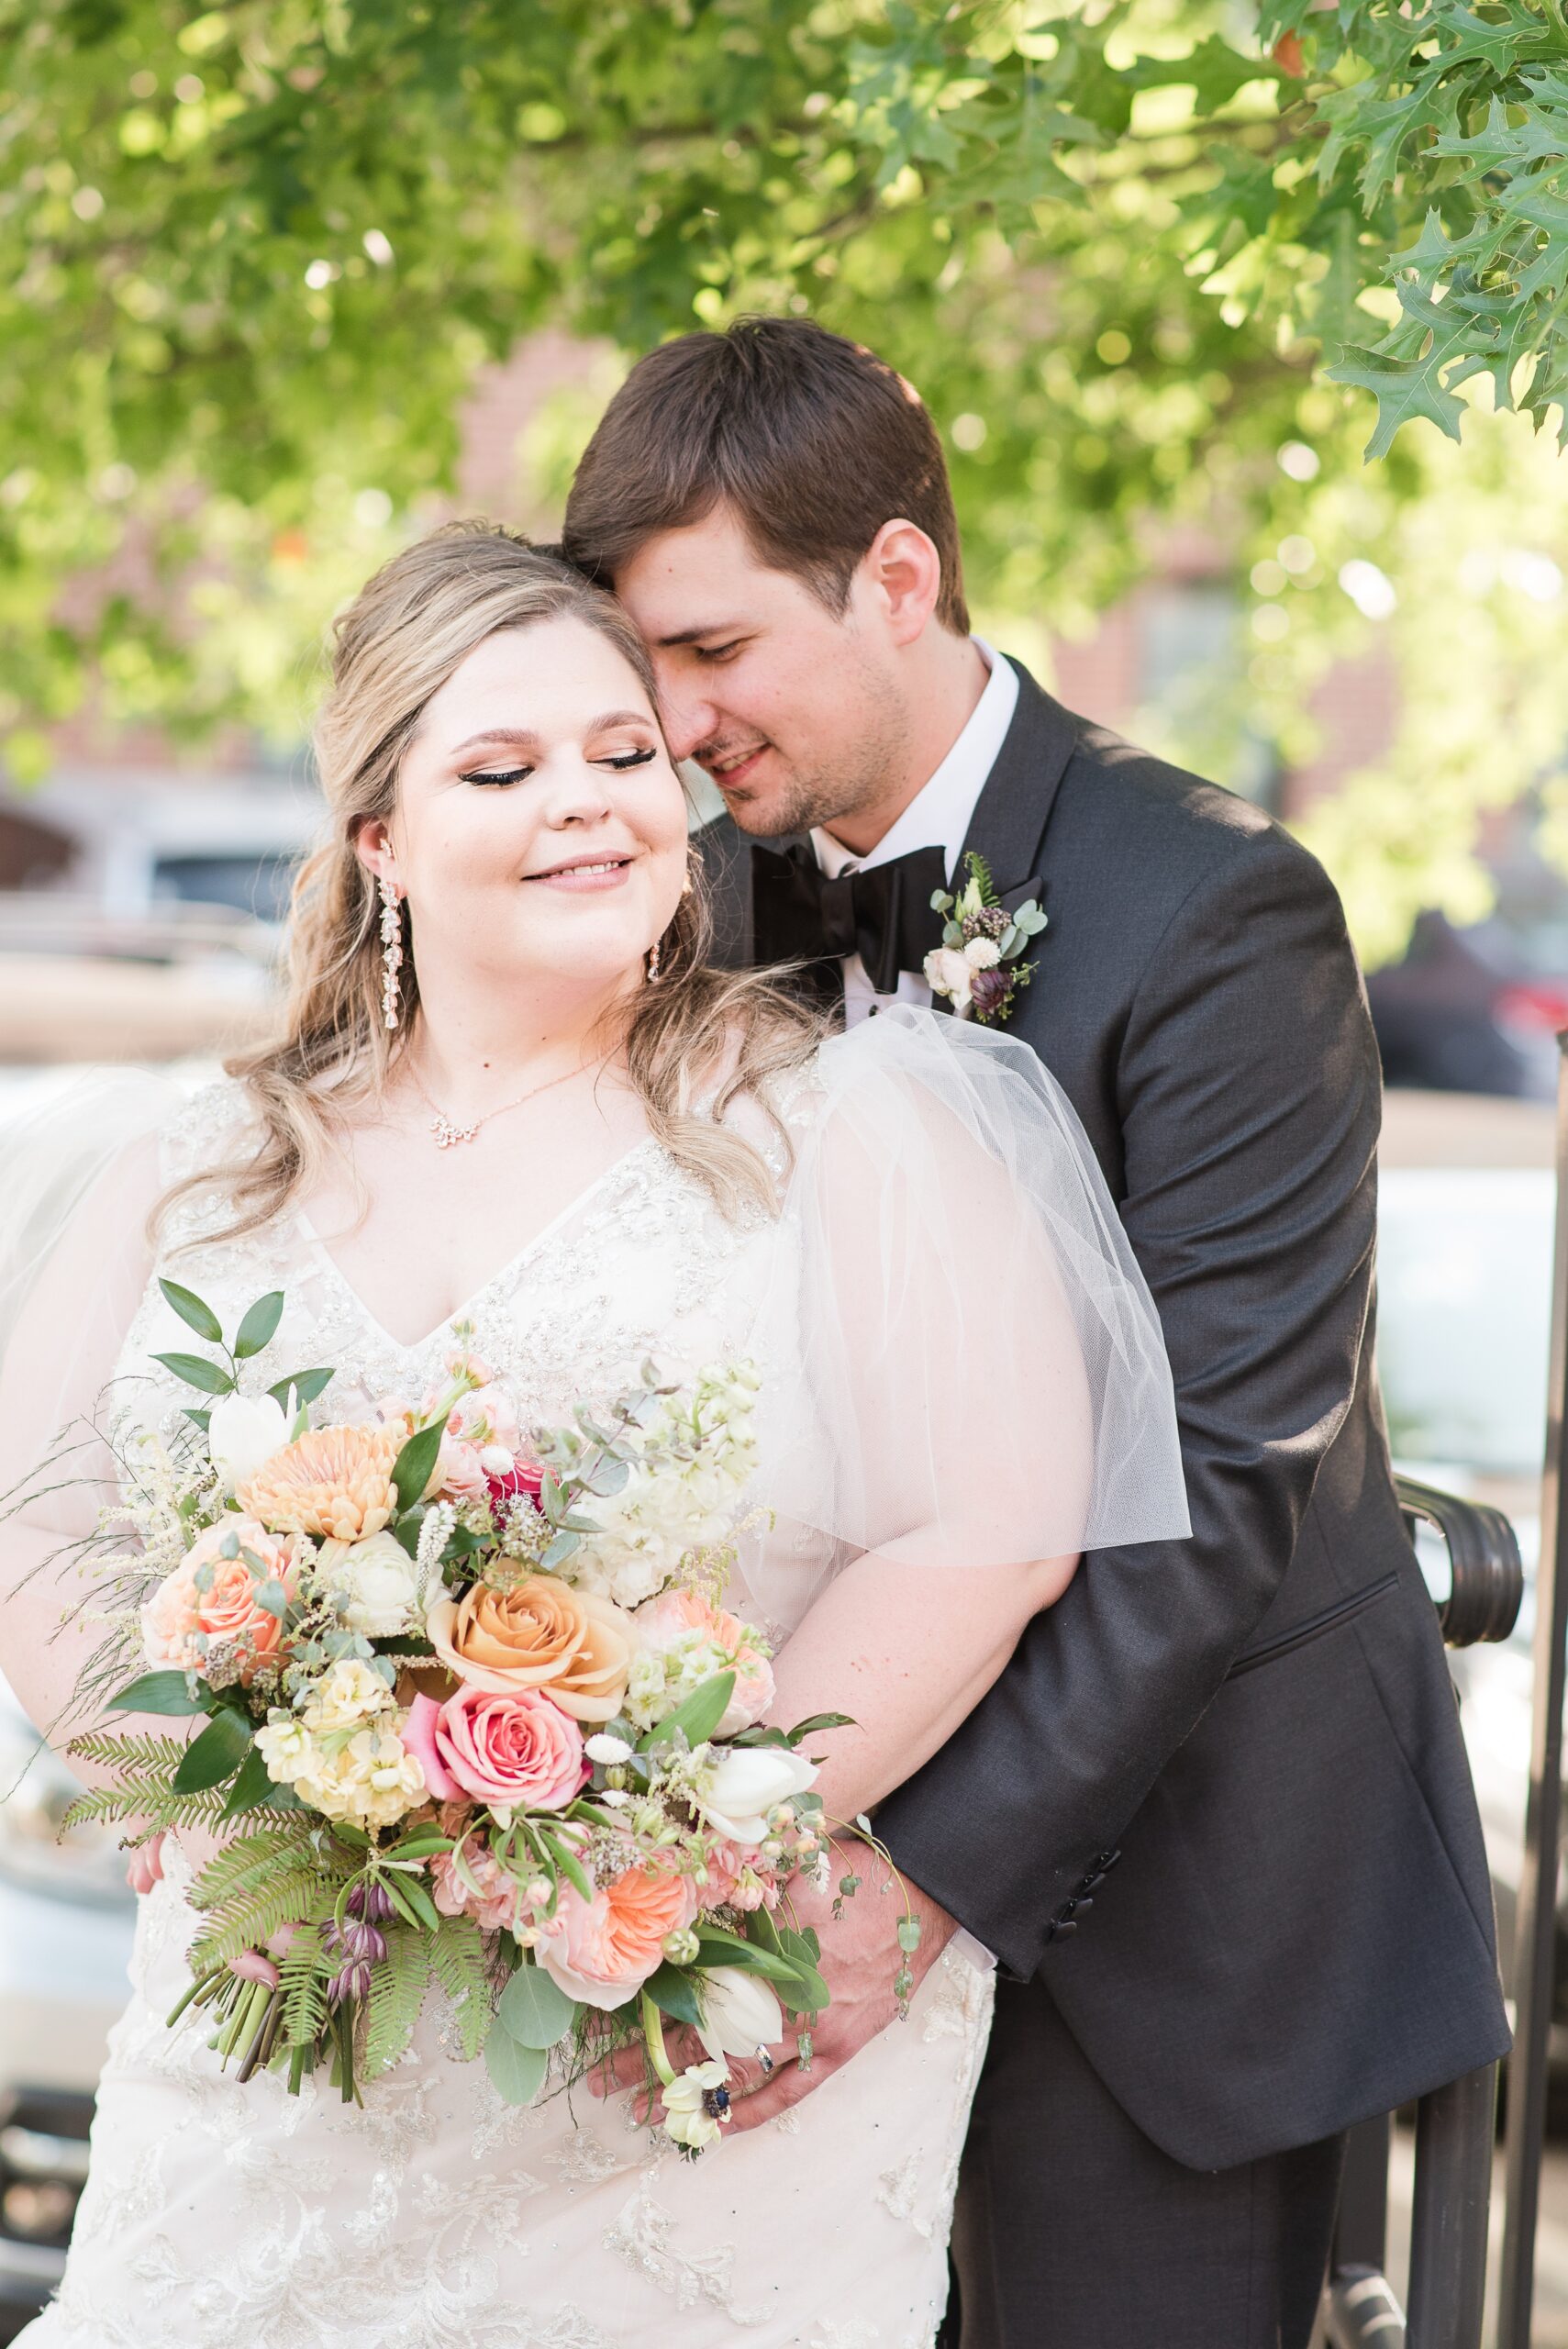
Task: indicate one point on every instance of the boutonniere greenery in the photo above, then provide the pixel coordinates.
(979, 966)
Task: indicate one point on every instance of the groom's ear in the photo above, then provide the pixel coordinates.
(901, 572)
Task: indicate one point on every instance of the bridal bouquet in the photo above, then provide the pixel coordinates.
(474, 1710)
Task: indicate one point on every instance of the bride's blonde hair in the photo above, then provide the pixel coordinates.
(399, 640)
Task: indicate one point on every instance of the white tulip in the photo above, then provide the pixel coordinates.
(375, 1584)
(740, 2013)
(746, 1783)
(244, 1431)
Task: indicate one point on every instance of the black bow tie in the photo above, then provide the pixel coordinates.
(884, 915)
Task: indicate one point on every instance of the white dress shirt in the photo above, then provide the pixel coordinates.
(938, 817)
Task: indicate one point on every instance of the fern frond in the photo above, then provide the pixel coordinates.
(153, 1805)
(457, 1960)
(125, 1753)
(240, 1866)
(397, 1992)
(252, 1918)
(303, 1976)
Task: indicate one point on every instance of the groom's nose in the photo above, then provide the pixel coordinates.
(689, 716)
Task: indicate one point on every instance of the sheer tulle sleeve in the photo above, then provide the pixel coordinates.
(962, 1362)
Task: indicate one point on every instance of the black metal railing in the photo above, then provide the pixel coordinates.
(1454, 2125)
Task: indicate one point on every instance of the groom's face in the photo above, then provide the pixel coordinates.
(795, 712)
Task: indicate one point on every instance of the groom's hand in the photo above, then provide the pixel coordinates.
(861, 1957)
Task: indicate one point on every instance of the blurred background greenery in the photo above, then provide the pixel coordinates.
(1160, 268)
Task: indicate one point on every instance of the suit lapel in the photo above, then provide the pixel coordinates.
(1007, 827)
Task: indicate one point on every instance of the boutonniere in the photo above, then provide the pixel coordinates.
(979, 966)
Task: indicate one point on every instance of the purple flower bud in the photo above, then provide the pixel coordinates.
(370, 1902)
(351, 1981)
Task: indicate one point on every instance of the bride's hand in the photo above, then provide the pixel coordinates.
(860, 1959)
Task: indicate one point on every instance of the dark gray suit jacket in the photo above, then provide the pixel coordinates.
(1217, 1802)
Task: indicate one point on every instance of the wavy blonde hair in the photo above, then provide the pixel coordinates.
(403, 636)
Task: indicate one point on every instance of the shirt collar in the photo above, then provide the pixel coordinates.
(939, 813)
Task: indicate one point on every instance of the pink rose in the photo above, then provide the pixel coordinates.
(486, 1416)
(602, 1951)
(512, 1751)
(179, 1621)
(505, 1484)
(666, 1622)
(459, 1471)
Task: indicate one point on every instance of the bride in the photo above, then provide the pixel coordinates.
(513, 1111)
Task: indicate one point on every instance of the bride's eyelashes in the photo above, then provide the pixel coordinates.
(622, 762)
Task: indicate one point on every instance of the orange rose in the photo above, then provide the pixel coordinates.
(543, 1634)
(211, 1602)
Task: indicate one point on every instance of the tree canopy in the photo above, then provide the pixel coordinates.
(1148, 262)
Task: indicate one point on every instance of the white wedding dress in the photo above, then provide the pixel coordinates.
(434, 2215)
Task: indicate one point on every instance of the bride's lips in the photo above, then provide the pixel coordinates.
(583, 874)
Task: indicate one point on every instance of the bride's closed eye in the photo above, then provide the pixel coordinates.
(620, 760)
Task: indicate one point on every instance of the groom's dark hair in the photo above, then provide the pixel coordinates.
(813, 441)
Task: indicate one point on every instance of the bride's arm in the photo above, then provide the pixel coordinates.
(57, 1363)
(908, 1653)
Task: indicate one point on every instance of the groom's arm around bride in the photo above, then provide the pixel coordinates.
(1214, 1818)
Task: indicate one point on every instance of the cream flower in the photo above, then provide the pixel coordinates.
(982, 953)
(345, 1695)
(375, 1584)
(949, 973)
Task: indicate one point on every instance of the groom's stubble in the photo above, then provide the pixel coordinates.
(822, 765)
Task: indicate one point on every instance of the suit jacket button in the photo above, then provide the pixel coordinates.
(1062, 1925)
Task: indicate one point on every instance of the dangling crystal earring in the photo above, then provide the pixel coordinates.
(653, 962)
(391, 950)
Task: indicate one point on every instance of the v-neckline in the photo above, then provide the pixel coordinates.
(512, 1264)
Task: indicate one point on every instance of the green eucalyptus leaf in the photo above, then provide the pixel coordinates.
(196, 1370)
(307, 1384)
(697, 1717)
(159, 1692)
(412, 1469)
(260, 1325)
(215, 1755)
(252, 1787)
(675, 1993)
(517, 2072)
(194, 1311)
(534, 2009)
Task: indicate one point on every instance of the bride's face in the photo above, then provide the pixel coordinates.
(541, 830)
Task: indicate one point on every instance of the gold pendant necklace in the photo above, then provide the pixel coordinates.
(449, 1134)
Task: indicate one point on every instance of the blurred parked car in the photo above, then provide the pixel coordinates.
(1467, 1197)
(78, 984)
(1471, 1010)
(66, 1919)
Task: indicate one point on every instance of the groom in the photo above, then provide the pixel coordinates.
(1214, 1819)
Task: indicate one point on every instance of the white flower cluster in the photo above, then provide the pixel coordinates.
(695, 1455)
(341, 1751)
(663, 1678)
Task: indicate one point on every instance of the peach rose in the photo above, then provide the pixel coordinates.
(602, 1951)
(514, 1752)
(542, 1634)
(669, 1623)
(181, 1622)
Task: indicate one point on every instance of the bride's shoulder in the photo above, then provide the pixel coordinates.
(211, 1124)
